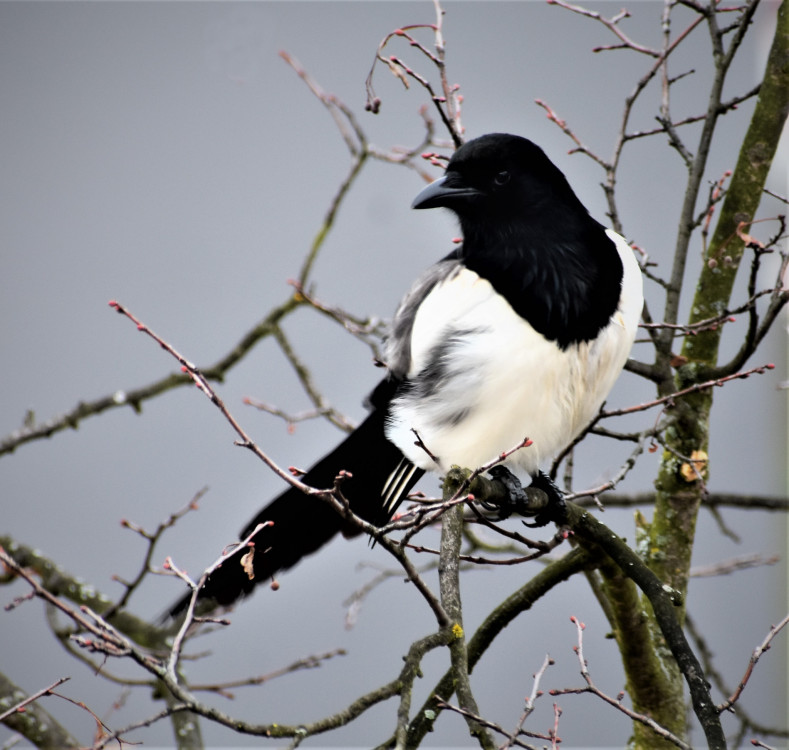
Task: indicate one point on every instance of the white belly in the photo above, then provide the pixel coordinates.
(502, 381)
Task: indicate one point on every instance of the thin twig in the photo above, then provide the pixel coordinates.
(33, 697)
(615, 702)
(755, 656)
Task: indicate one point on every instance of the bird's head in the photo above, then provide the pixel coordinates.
(500, 179)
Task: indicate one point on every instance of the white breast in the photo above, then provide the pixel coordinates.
(500, 381)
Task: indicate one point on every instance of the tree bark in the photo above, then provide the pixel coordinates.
(668, 539)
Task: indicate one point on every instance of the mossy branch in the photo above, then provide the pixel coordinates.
(32, 722)
(743, 197)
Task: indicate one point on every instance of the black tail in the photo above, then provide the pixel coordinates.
(302, 523)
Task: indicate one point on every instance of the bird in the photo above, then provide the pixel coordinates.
(519, 332)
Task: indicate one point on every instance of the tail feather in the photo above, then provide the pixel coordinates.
(303, 523)
(398, 485)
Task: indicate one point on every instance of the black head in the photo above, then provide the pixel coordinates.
(499, 177)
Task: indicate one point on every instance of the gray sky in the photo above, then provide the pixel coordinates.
(163, 155)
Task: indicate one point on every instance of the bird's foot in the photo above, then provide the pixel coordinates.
(546, 504)
(556, 509)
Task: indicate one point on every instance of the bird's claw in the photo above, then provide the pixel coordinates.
(519, 500)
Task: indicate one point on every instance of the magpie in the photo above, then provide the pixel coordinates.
(519, 332)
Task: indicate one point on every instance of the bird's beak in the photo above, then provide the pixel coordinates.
(443, 192)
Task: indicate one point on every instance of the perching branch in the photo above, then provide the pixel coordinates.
(663, 600)
(449, 585)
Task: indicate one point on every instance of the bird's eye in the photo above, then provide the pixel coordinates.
(502, 178)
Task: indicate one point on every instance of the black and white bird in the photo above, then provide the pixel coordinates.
(519, 332)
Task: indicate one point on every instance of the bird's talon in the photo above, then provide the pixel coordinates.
(520, 501)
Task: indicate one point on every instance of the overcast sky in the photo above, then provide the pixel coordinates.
(165, 156)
